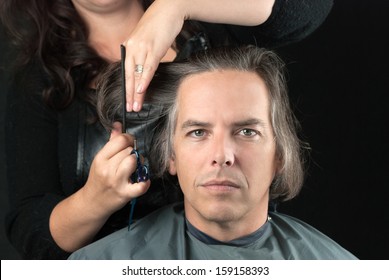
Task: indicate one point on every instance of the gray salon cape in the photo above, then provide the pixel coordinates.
(163, 235)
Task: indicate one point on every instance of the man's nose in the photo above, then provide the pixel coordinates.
(223, 151)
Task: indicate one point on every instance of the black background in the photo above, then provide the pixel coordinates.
(339, 86)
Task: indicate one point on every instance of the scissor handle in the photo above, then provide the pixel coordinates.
(141, 173)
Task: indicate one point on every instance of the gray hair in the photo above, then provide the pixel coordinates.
(163, 90)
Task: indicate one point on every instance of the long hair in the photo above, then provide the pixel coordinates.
(53, 33)
(163, 90)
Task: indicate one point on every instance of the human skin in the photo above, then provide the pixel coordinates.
(224, 152)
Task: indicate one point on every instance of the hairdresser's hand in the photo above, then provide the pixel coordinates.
(148, 45)
(76, 220)
(108, 185)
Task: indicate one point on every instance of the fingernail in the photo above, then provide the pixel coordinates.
(128, 107)
(139, 89)
(136, 106)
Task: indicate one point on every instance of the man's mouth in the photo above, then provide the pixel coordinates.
(220, 185)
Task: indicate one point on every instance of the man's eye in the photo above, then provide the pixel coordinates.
(248, 132)
(197, 133)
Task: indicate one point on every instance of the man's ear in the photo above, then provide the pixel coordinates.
(172, 166)
(279, 164)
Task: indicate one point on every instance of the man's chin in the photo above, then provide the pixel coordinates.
(220, 214)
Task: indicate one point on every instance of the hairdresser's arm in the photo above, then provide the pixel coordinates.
(163, 21)
(41, 174)
(75, 220)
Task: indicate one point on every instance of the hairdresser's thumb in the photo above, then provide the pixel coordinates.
(116, 129)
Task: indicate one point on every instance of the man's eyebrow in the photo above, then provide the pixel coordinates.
(249, 122)
(253, 121)
(193, 123)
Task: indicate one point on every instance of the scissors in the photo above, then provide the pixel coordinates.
(141, 173)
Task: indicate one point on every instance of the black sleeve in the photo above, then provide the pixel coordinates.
(290, 21)
(32, 168)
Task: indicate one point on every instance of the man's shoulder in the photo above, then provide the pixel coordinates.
(305, 241)
(126, 242)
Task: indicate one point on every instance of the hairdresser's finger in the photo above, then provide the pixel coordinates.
(141, 84)
(125, 166)
(133, 63)
(117, 144)
(137, 189)
(116, 130)
(124, 170)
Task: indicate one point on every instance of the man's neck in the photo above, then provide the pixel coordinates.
(239, 242)
(225, 231)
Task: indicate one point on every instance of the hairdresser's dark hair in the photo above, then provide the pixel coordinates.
(163, 89)
(53, 33)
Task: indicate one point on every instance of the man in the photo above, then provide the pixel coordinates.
(228, 134)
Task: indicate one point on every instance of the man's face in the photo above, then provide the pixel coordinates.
(224, 148)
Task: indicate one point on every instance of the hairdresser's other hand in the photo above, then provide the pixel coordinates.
(148, 45)
(151, 40)
(108, 184)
